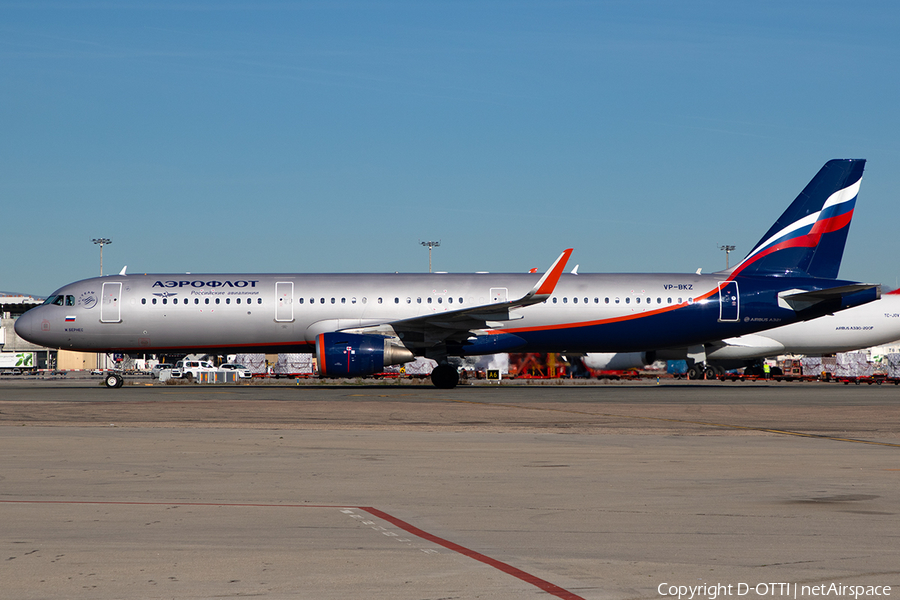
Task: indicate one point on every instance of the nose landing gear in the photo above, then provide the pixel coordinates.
(113, 380)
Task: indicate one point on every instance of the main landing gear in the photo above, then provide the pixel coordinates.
(444, 376)
(698, 370)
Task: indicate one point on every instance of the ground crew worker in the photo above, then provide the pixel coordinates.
(767, 370)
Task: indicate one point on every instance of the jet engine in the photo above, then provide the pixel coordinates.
(354, 355)
(617, 361)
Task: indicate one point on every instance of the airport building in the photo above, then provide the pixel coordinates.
(14, 351)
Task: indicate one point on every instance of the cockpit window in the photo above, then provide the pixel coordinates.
(57, 300)
(70, 300)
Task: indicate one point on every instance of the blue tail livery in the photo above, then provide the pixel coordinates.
(809, 238)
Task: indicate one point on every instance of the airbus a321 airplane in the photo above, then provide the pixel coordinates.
(863, 326)
(358, 323)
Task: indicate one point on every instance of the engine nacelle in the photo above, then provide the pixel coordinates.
(354, 355)
(617, 361)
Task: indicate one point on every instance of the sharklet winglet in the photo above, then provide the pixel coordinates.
(546, 284)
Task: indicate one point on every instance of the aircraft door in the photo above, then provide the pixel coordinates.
(729, 301)
(111, 302)
(284, 301)
(499, 295)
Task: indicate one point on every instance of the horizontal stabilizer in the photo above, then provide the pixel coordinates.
(820, 302)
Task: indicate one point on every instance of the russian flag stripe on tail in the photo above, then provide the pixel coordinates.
(809, 238)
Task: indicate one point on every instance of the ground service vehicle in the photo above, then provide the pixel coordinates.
(191, 369)
(155, 369)
(15, 363)
(242, 371)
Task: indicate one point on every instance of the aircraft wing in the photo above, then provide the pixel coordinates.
(457, 325)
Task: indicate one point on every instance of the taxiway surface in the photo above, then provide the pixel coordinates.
(604, 491)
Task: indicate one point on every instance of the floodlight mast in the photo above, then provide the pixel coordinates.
(727, 250)
(101, 242)
(430, 246)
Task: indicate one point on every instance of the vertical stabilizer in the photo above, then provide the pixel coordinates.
(809, 238)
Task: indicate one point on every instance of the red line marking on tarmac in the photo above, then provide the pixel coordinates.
(542, 584)
(502, 566)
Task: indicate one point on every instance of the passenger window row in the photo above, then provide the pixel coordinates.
(175, 301)
(68, 300)
(397, 300)
(617, 300)
(218, 300)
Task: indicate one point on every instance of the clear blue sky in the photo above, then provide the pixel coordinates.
(335, 136)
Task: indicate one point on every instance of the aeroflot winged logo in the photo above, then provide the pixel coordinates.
(199, 283)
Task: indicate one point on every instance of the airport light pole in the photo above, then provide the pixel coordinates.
(727, 250)
(430, 246)
(102, 358)
(102, 242)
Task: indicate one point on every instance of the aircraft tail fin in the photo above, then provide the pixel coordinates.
(808, 239)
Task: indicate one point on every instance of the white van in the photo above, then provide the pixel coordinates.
(191, 369)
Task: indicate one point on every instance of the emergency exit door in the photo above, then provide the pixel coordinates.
(729, 301)
(499, 295)
(284, 301)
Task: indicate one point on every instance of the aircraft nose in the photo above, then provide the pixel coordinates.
(24, 326)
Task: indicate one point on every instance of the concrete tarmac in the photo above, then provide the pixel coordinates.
(589, 491)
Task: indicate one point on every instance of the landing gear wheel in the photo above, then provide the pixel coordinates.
(695, 372)
(444, 377)
(711, 372)
(113, 380)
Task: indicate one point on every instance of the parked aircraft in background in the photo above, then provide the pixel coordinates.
(358, 323)
(871, 324)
